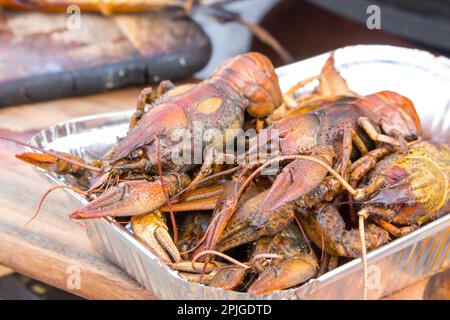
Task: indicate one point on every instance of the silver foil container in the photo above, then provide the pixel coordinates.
(422, 77)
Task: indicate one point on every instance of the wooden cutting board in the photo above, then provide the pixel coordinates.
(43, 56)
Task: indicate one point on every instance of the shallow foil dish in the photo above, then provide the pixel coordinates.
(421, 76)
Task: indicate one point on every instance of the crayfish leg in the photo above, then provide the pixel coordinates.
(229, 278)
(326, 228)
(363, 165)
(297, 179)
(283, 274)
(147, 96)
(394, 230)
(399, 142)
(207, 165)
(152, 230)
(199, 278)
(351, 137)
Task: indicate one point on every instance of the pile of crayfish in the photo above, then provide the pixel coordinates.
(320, 175)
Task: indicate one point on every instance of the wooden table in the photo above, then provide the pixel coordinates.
(52, 242)
(48, 246)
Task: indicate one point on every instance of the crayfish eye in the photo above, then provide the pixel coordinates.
(138, 153)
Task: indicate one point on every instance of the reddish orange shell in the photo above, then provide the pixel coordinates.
(252, 75)
(246, 82)
(395, 112)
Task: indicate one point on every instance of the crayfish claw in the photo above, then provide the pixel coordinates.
(252, 221)
(229, 278)
(163, 237)
(284, 274)
(128, 198)
(293, 261)
(152, 230)
(298, 178)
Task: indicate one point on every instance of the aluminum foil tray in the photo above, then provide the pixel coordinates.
(422, 77)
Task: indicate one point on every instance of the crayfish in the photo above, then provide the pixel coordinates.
(343, 159)
(401, 193)
(129, 171)
(312, 141)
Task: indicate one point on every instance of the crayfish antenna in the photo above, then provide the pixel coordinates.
(41, 201)
(219, 254)
(208, 259)
(54, 154)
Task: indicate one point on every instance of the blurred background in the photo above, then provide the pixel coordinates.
(56, 49)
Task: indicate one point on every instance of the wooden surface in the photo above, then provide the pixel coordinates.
(41, 58)
(52, 242)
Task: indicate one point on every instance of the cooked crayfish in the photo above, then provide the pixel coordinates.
(401, 193)
(330, 142)
(139, 173)
(243, 83)
(320, 134)
(296, 265)
(405, 191)
(278, 262)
